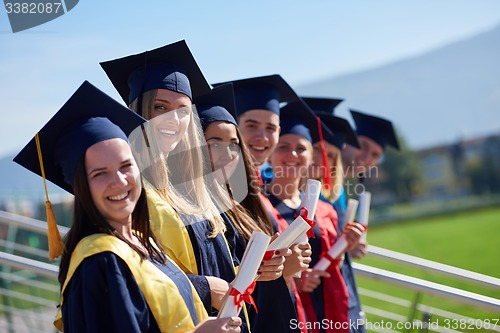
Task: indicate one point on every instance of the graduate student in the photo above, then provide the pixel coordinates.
(233, 165)
(161, 85)
(114, 274)
(258, 114)
(342, 133)
(375, 134)
(323, 294)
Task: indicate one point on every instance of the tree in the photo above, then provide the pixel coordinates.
(402, 171)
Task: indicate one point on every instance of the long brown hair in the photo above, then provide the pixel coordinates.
(250, 214)
(88, 220)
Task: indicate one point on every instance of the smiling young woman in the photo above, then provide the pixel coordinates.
(114, 274)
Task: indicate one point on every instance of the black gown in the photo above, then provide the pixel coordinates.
(103, 296)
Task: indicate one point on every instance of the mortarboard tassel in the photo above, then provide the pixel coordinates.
(326, 171)
(54, 237)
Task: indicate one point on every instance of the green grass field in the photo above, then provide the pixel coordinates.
(469, 240)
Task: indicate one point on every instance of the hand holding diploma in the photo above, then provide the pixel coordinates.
(288, 237)
(341, 244)
(272, 269)
(244, 282)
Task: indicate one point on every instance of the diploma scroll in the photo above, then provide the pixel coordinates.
(310, 203)
(290, 235)
(243, 283)
(341, 244)
(335, 252)
(364, 210)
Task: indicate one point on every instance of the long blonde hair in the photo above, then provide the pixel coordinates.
(178, 177)
(337, 177)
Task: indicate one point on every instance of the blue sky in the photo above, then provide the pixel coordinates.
(303, 41)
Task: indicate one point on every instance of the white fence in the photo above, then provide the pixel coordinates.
(30, 292)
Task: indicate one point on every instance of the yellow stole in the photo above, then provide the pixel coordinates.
(161, 293)
(170, 231)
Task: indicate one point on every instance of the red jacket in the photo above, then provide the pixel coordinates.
(335, 294)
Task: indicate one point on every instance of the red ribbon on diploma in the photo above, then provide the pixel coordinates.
(365, 227)
(328, 257)
(303, 213)
(246, 296)
(269, 254)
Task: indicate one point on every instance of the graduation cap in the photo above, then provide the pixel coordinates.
(170, 67)
(298, 118)
(263, 93)
(378, 129)
(323, 104)
(218, 105)
(342, 131)
(88, 117)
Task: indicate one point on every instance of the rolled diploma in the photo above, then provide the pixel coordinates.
(352, 206)
(341, 244)
(364, 210)
(310, 202)
(290, 235)
(249, 265)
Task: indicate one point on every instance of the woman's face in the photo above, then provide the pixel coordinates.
(113, 178)
(171, 115)
(223, 145)
(292, 157)
(317, 164)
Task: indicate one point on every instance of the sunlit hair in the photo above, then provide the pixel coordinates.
(248, 213)
(179, 177)
(87, 220)
(337, 177)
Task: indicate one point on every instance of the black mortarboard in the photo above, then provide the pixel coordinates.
(342, 131)
(263, 93)
(298, 118)
(322, 103)
(378, 129)
(88, 117)
(171, 67)
(218, 105)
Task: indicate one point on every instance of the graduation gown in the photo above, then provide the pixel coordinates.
(185, 239)
(110, 289)
(355, 312)
(272, 298)
(284, 216)
(330, 299)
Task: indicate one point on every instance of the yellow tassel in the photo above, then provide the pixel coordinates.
(55, 243)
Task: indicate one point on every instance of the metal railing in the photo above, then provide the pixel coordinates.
(433, 266)
(20, 270)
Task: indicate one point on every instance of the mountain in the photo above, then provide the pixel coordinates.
(440, 96)
(433, 99)
(17, 182)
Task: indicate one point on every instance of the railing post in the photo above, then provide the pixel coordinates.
(413, 314)
(426, 318)
(4, 283)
